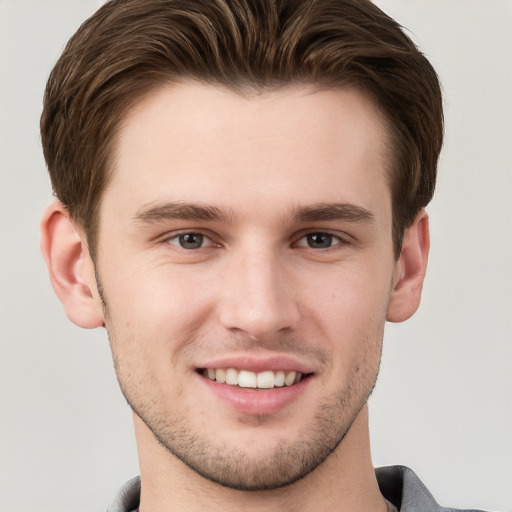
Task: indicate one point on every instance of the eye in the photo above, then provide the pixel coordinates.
(190, 241)
(319, 240)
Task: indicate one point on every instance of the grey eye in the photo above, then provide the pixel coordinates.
(190, 241)
(319, 240)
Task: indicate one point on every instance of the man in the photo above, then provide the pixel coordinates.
(241, 189)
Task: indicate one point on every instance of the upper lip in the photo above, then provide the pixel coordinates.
(259, 364)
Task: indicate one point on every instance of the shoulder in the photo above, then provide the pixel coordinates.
(402, 487)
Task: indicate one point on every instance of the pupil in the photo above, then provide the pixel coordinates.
(320, 240)
(191, 241)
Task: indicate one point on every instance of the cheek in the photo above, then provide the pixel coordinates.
(157, 299)
(350, 310)
(353, 295)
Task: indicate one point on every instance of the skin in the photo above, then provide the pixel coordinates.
(264, 178)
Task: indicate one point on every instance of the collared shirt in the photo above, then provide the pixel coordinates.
(399, 485)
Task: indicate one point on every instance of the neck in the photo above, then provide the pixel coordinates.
(344, 481)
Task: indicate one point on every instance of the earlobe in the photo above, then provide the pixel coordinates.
(70, 267)
(410, 271)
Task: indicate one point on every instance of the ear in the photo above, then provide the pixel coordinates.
(71, 268)
(410, 271)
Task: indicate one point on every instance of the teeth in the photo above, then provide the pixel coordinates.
(279, 379)
(247, 379)
(220, 376)
(290, 379)
(265, 380)
(232, 377)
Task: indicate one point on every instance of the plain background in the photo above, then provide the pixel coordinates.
(443, 404)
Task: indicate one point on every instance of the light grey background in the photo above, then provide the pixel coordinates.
(444, 401)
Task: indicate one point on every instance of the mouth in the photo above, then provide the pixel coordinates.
(267, 379)
(256, 386)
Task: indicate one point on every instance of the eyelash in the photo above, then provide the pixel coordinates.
(176, 238)
(332, 239)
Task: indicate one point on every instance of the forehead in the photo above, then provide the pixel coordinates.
(289, 147)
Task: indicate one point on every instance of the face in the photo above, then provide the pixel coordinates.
(245, 261)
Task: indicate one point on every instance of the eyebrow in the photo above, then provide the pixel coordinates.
(181, 211)
(202, 212)
(334, 211)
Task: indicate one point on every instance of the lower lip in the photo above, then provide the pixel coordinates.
(256, 401)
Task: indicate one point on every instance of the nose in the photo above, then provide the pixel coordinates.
(259, 296)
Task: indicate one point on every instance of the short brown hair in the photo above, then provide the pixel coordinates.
(130, 47)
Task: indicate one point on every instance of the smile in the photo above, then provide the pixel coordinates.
(267, 379)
